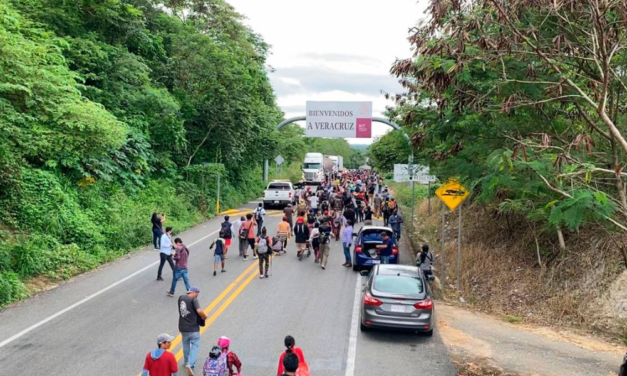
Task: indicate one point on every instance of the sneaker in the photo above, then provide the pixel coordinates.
(245, 258)
(348, 265)
(157, 249)
(170, 293)
(189, 370)
(266, 276)
(223, 271)
(344, 264)
(261, 276)
(255, 257)
(316, 261)
(214, 273)
(323, 267)
(159, 279)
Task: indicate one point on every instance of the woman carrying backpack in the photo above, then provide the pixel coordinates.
(233, 364)
(227, 228)
(263, 246)
(425, 260)
(314, 240)
(301, 235)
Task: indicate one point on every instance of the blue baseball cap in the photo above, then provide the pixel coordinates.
(194, 289)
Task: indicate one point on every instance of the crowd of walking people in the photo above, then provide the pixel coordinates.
(316, 217)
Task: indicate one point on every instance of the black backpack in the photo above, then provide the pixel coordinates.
(226, 227)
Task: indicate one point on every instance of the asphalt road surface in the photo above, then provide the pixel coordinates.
(103, 323)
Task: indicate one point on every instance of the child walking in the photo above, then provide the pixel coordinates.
(218, 255)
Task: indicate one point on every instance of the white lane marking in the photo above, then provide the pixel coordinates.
(90, 297)
(352, 343)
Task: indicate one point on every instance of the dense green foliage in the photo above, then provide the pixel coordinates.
(524, 104)
(112, 110)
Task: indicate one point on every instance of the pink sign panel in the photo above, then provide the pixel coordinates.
(364, 128)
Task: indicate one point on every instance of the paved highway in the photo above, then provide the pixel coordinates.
(104, 322)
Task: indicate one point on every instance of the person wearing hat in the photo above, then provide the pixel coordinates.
(233, 364)
(160, 362)
(301, 235)
(190, 315)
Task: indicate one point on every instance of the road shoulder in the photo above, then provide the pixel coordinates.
(514, 348)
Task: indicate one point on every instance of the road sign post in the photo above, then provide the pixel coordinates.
(459, 248)
(443, 245)
(218, 200)
(453, 195)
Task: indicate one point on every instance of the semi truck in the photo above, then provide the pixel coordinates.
(313, 169)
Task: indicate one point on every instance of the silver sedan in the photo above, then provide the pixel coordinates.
(397, 297)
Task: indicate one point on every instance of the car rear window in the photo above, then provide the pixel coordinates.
(279, 186)
(401, 285)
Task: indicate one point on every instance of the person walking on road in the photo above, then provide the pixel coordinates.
(301, 235)
(165, 244)
(259, 213)
(233, 364)
(325, 241)
(314, 240)
(290, 365)
(157, 229)
(190, 315)
(347, 241)
(377, 206)
(336, 226)
(385, 250)
(247, 232)
(387, 212)
(180, 270)
(396, 222)
(242, 242)
(368, 216)
(290, 344)
(227, 228)
(218, 254)
(289, 214)
(313, 202)
(425, 260)
(283, 232)
(263, 245)
(160, 362)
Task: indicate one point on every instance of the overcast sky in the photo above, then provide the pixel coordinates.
(333, 50)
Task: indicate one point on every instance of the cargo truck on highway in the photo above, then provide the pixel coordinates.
(313, 169)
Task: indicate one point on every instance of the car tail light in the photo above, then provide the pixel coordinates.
(424, 304)
(395, 251)
(371, 300)
(290, 195)
(357, 249)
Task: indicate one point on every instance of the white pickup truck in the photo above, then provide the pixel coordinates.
(278, 193)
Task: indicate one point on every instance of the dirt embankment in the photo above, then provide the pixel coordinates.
(519, 273)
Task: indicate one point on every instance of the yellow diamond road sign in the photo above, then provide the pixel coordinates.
(452, 194)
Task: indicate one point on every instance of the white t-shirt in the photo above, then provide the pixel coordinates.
(313, 200)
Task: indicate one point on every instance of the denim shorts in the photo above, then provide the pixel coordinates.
(217, 258)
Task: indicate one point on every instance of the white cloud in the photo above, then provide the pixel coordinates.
(333, 50)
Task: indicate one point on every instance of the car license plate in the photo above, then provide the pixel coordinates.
(376, 262)
(398, 308)
(276, 202)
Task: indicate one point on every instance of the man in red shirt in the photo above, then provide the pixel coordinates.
(160, 362)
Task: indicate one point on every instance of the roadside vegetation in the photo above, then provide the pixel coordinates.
(525, 103)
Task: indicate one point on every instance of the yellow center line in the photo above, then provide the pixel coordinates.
(224, 306)
(215, 302)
